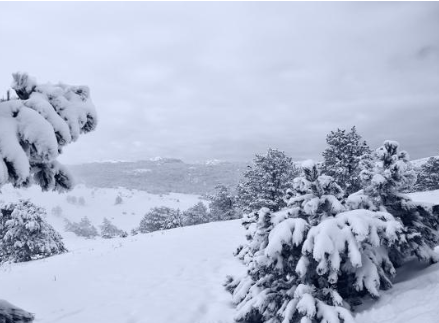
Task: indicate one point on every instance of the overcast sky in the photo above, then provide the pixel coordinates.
(202, 81)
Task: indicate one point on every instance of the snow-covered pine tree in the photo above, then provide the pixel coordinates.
(343, 158)
(265, 182)
(222, 204)
(81, 201)
(384, 185)
(118, 200)
(35, 127)
(24, 233)
(428, 175)
(310, 261)
(10, 313)
(33, 130)
(57, 211)
(109, 230)
(196, 214)
(160, 218)
(83, 228)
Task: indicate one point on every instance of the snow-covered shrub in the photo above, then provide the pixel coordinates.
(197, 214)
(57, 211)
(343, 158)
(315, 259)
(71, 199)
(24, 233)
(428, 175)
(118, 200)
(83, 228)
(160, 218)
(265, 182)
(109, 230)
(384, 185)
(81, 201)
(222, 204)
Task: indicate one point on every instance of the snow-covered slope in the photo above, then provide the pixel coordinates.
(170, 276)
(414, 298)
(100, 203)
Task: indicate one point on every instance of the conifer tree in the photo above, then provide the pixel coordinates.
(81, 201)
(24, 233)
(384, 185)
(35, 127)
(57, 211)
(160, 218)
(344, 157)
(312, 261)
(118, 200)
(222, 204)
(197, 214)
(265, 182)
(83, 228)
(109, 230)
(428, 175)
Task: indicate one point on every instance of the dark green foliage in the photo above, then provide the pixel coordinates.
(160, 218)
(83, 229)
(197, 214)
(109, 230)
(428, 175)
(265, 182)
(343, 158)
(393, 174)
(222, 205)
(25, 235)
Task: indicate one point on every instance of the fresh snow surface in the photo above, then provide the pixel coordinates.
(168, 276)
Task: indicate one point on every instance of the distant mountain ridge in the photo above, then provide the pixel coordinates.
(160, 175)
(163, 175)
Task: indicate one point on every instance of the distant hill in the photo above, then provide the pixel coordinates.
(160, 175)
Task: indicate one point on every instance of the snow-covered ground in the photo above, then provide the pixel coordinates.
(173, 276)
(170, 276)
(100, 203)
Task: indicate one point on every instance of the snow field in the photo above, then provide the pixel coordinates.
(170, 276)
(100, 203)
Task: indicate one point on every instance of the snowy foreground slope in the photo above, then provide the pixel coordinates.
(170, 276)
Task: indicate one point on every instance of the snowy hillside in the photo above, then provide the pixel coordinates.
(100, 203)
(169, 276)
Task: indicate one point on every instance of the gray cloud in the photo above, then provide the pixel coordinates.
(227, 80)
